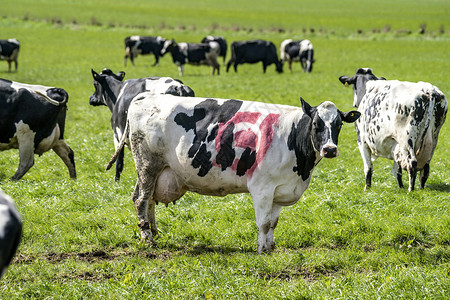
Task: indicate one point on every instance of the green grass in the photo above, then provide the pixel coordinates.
(81, 239)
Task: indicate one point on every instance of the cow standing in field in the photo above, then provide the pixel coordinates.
(112, 91)
(224, 146)
(252, 52)
(9, 51)
(222, 44)
(32, 119)
(143, 45)
(301, 51)
(400, 121)
(193, 54)
(10, 231)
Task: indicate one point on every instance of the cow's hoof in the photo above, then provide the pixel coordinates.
(147, 237)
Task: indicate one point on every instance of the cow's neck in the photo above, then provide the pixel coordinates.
(110, 93)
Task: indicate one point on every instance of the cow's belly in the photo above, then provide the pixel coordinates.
(171, 185)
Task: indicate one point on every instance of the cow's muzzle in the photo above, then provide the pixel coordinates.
(329, 151)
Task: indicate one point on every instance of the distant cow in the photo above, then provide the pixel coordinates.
(32, 119)
(9, 51)
(301, 51)
(222, 43)
(224, 146)
(135, 45)
(252, 52)
(193, 54)
(10, 231)
(111, 91)
(399, 120)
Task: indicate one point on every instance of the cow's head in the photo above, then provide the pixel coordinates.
(168, 46)
(359, 81)
(279, 66)
(102, 86)
(326, 122)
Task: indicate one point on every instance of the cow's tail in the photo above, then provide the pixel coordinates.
(120, 147)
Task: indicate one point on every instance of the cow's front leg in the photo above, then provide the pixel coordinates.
(424, 175)
(412, 171)
(276, 209)
(368, 166)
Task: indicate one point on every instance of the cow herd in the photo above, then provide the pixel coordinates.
(211, 48)
(214, 146)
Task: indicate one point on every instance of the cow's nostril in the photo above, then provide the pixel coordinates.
(329, 152)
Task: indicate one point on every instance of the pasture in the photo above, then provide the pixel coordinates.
(81, 239)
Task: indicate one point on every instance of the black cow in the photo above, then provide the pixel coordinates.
(193, 54)
(32, 119)
(10, 231)
(298, 51)
(252, 52)
(135, 45)
(222, 43)
(9, 51)
(112, 91)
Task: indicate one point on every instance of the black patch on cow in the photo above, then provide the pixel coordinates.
(168, 81)
(299, 141)
(226, 155)
(205, 114)
(247, 160)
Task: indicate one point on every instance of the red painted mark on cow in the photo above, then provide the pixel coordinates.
(251, 130)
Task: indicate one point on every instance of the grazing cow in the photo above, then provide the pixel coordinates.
(112, 91)
(222, 43)
(224, 146)
(10, 231)
(298, 51)
(9, 51)
(193, 54)
(252, 52)
(400, 121)
(32, 119)
(135, 45)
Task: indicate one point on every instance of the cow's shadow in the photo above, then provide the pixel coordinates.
(441, 187)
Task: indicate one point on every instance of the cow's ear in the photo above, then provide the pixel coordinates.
(94, 74)
(121, 75)
(351, 116)
(307, 109)
(347, 80)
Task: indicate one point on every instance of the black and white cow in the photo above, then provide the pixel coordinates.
(112, 91)
(222, 146)
(193, 54)
(252, 52)
(222, 43)
(32, 119)
(399, 120)
(135, 45)
(10, 231)
(9, 51)
(301, 51)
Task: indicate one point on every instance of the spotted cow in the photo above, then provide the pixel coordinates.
(193, 54)
(399, 120)
(225, 146)
(32, 119)
(222, 44)
(9, 51)
(301, 51)
(10, 231)
(116, 94)
(143, 45)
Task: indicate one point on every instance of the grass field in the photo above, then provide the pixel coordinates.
(81, 239)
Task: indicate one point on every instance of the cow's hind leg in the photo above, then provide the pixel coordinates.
(397, 172)
(276, 209)
(66, 154)
(424, 175)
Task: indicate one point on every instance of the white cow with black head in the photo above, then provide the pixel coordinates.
(225, 146)
(399, 120)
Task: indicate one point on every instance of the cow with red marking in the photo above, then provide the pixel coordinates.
(224, 146)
